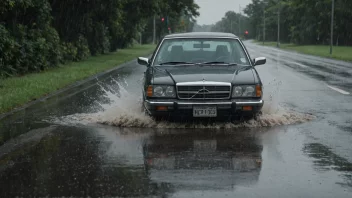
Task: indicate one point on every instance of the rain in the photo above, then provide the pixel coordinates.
(177, 98)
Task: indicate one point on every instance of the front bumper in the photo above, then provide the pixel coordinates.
(225, 108)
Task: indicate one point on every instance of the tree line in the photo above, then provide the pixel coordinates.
(234, 23)
(301, 21)
(38, 34)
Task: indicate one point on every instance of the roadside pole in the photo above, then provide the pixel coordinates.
(332, 25)
(239, 21)
(140, 38)
(264, 28)
(278, 25)
(154, 32)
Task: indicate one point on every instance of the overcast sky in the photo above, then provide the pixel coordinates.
(211, 11)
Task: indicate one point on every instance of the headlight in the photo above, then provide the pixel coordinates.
(237, 91)
(244, 91)
(170, 92)
(249, 91)
(162, 91)
(158, 91)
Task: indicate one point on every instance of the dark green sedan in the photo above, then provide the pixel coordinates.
(202, 75)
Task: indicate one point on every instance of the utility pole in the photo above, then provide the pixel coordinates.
(278, 25)
(264, 28)
(140, 38)
(154, 31)
(239, 21)
(332, 25)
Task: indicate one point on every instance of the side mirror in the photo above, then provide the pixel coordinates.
(143, 61)
(259, 61)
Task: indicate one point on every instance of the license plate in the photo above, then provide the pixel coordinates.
(204, 111)
(204, 145)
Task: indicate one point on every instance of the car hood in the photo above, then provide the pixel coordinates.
(178, 74)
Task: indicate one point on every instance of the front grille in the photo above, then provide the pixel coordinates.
(203, 92)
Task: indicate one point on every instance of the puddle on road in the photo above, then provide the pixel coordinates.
(124, 110)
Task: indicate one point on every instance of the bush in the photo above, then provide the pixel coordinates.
(7, 51)
(54, 48)
(28, 43)
(36, 49)
(83, 51)
(69, 52)
(39, 34)
(75, 51)
(99, 42)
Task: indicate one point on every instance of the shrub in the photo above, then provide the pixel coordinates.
(7, 51)
(69, 52)
(83, 51)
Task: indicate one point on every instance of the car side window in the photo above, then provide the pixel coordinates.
(240, 54)
(164, 52)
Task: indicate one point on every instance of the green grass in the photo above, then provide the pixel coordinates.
(339, 52)
(17, 91)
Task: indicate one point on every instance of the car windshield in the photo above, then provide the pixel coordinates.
(193, 50)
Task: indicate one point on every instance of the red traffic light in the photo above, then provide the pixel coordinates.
(163, 19)
(246, 32)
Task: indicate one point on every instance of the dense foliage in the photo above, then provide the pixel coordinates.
(38, 34)
(233, 23)
(301, 21)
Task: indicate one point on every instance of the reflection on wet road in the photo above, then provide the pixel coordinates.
(59, 148)
(204, 161)
(108, 161)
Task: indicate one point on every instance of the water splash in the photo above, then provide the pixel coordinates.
(124, 109)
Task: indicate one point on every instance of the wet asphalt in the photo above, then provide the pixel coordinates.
(312, 159)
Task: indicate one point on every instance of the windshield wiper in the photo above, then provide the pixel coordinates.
(176, 63)
(218, 62)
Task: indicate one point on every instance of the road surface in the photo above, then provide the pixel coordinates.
(83, 141)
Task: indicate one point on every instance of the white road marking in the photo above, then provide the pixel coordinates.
(299, 64)
(339, 90)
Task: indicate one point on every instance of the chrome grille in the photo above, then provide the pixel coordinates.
(203, 92)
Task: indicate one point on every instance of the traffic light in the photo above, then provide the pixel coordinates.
(165, 23)
(246, 34)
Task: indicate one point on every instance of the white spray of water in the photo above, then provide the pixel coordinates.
(125, 110)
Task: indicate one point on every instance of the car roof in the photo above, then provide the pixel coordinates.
(202, 35)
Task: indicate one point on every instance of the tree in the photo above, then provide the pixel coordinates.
(37, 34)
(302, 21)
(178, 16)
(230, 23)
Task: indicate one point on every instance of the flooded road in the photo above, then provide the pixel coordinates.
(93, 141)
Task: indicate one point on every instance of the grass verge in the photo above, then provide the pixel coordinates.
(339, 52)
(17, 91)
